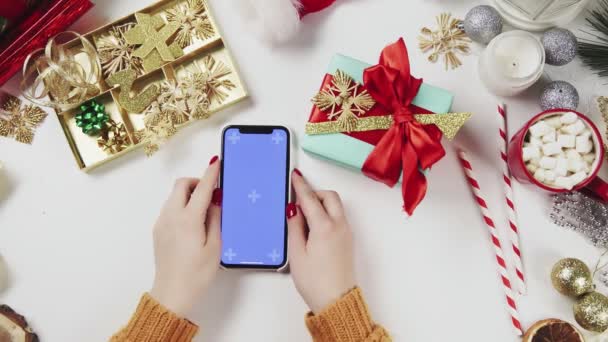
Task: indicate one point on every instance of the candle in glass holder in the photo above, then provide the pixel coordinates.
(512, 62)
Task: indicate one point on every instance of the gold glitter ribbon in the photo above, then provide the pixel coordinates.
(59, 75)
(449, 124)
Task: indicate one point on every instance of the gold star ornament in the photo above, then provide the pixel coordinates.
(19, 121)
(152, 34)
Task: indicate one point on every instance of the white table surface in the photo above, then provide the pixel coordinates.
(79, 245)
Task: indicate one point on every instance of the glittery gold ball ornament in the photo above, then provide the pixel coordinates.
(591, 312)
(571, 277)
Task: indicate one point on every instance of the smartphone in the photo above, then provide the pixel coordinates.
(255, 188)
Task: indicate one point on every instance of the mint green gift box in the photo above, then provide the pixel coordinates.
(350, 152)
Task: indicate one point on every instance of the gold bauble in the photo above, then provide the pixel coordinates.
(591, 312)
(571, 277)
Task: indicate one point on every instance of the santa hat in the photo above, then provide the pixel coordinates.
(279, 20)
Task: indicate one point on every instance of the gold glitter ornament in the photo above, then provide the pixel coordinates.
(448, 40)
(572, 277)
(449, 124)
(591, 312)
(133, 104)
(114, 139)
(19, 121)
(152, 34)
(115, 54)
(193, 21)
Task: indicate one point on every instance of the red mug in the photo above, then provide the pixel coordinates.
(515, 158)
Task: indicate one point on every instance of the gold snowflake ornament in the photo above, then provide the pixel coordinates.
(19, 121)
(187, 99)
(210, 80)
(193, 21)
(343, 101)
(115, 54)
(447, 40)
(154, 136)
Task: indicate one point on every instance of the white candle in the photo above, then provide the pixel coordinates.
(512, 62)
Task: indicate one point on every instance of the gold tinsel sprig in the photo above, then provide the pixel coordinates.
(448, 40)
(115, 54)
(19, 121)
(193, 21)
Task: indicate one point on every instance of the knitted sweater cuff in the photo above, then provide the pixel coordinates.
(154, 323)
(347, 319)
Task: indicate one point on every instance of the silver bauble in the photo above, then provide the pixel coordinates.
(482, 24)
(559, 94)
(560, 46)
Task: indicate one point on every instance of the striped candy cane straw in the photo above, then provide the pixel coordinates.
(513, 222)
(500, 260)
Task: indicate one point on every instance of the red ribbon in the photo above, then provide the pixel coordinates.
(407, 145)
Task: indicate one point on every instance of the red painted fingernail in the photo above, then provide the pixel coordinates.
(292, 210)
(298, 172)
(217, 197)
(213, 160)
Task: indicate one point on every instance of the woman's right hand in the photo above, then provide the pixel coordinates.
(320, 245)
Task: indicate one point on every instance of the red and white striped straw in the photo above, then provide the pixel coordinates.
(512, 213)
(500, 260)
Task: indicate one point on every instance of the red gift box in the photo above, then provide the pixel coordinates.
(32, 33)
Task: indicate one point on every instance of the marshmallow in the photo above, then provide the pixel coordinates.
(578, 177)
(539, 129)
(551, 149)
(569, 118)
(576, 128)
(531, 152)
(532, 168)
(571, 154)
(548, 163)
(563, 182)
(575, 165)
(539, 175)
(589, 158)
(583, 144)
(550, 176)
(536, 142)
(554, 121)
(585, 133)
(550, 137)
(566, 140)
(561, 167)
(535, 161)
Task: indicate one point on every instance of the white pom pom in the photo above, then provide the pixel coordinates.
(276, 21)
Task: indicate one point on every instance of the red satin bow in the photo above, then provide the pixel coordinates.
(407, 145)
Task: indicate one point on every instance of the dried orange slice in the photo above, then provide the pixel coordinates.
(552, 330)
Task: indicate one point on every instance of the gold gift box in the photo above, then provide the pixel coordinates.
(87, 153)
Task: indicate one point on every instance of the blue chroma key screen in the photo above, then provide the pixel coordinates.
(254, 188)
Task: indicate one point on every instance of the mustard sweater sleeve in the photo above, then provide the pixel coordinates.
(347, 320)
(152, 322)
